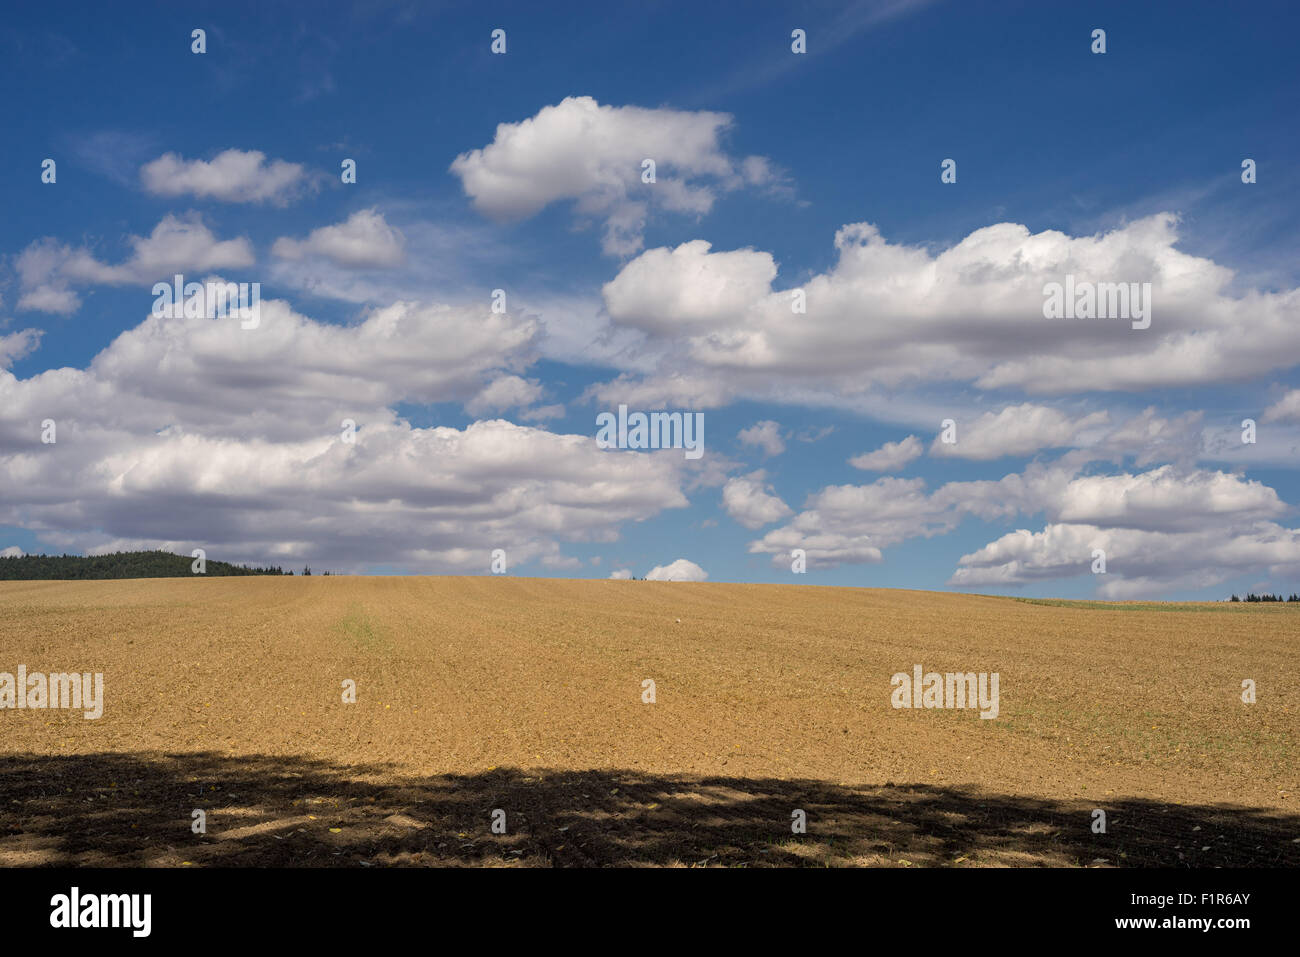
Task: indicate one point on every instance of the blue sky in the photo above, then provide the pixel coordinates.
(522, 172)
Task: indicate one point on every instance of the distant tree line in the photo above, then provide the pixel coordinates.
(1253, 597)
(156, 564)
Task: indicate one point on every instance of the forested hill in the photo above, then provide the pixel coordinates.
(117, 565)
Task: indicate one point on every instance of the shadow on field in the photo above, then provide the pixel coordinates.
(136, 809)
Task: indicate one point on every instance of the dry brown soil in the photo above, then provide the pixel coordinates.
(525, 695)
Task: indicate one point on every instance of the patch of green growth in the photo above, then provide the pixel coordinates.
(360, 629)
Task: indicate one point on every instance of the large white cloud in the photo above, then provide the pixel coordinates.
(190, 433)
(289, 377)
(429, 499)
(850, 524)
(1134, 512)
(1139, 563)
(591, 153)
(670, 291)
(887, 316)
(1165, 499)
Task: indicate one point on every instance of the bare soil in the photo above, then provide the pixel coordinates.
(525, 695)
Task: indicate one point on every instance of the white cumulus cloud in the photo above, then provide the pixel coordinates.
(1285, 409)
(766, 435)
(887, 316)
(232, 176)
(592, 154)
(48, 270)
(751, 503)
(186, 433)
(1016, 430)
(890, 456)
(363, 241)
(682, 570)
